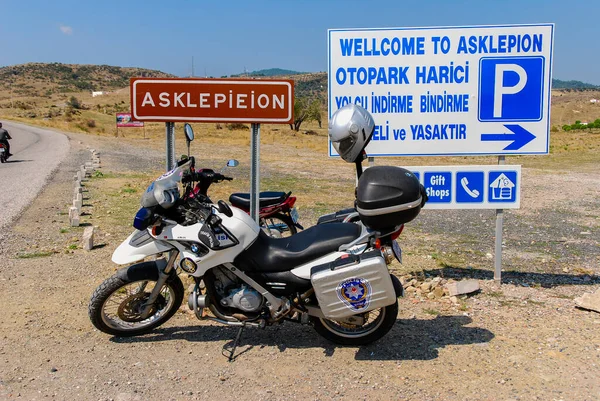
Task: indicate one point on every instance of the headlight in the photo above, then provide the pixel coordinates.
(188, 265)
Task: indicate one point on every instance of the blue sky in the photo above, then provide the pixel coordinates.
(224, 37)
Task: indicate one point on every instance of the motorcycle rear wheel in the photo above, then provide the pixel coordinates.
(278, 225)
(377, 323)
(116, 304)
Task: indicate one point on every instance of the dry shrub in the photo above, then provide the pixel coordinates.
(237, 126)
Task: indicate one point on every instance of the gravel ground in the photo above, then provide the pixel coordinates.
(521, 340)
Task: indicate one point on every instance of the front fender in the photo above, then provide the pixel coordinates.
(145, 271)
(140, 271)
(139, 245)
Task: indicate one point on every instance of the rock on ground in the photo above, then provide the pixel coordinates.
(462, 287)
(590, 301)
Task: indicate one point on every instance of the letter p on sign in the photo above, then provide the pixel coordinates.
(511, 88)
(500, 89)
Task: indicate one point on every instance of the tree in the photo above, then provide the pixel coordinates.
(74, 103)
(305, 110)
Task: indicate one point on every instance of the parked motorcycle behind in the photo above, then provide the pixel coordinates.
(278, 217)
(334, 276)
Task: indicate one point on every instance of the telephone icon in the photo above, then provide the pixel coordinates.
(464, 182)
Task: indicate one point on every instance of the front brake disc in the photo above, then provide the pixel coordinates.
(130, 310)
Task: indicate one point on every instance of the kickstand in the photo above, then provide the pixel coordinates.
(230, 357)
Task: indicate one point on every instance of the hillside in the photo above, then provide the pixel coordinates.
(311, 85)
(306, 84)
(270, 72)
(577, 85)
(45, 79)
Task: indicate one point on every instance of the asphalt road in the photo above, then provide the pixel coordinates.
(36, 153)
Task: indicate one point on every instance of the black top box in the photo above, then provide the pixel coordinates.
(388, 196)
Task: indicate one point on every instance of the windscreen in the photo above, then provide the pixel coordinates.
(163, 190)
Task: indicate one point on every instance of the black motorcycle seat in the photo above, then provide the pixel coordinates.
(267, 254)
(267, 198)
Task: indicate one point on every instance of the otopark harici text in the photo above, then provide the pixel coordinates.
(440, 84)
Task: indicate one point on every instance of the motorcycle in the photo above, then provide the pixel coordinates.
(3, 153)
(277, 215)
(333, 276)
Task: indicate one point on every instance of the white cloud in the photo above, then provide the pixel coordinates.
(67, 30)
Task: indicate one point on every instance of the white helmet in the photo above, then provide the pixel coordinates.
(350, 130)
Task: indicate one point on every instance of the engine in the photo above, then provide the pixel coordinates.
(244, 298)
(233, 293)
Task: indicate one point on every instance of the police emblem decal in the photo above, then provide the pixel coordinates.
(355, 293)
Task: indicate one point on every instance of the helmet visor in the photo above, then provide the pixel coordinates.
(344, 147)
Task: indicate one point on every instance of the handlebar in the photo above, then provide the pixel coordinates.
(217, 177)
(185, 160)
(205, 175)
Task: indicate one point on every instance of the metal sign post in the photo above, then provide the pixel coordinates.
(498, 248)
(170, 131)
(255, 171)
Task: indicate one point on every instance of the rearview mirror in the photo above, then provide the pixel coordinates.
(189, 132)
(232, 163)
(189, 135)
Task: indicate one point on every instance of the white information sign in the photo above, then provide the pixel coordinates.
(470, 187)
(478, 90)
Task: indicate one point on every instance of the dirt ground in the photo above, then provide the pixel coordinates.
(521, 340)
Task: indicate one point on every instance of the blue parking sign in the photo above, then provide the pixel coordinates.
(469, 187)
(511, 88)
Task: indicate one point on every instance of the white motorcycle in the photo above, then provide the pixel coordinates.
(334, 276)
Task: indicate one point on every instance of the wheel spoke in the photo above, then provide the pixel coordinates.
(142, 286)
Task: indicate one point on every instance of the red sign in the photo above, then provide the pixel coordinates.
(212, 100)
(125, 120)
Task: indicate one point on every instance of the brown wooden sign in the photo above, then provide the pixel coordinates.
(212, 100)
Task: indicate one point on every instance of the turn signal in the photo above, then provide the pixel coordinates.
(378, 243)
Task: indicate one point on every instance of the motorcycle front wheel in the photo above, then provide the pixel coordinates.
(370, 326)
(116, 305)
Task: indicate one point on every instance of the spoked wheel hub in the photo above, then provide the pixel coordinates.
(130, 310)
